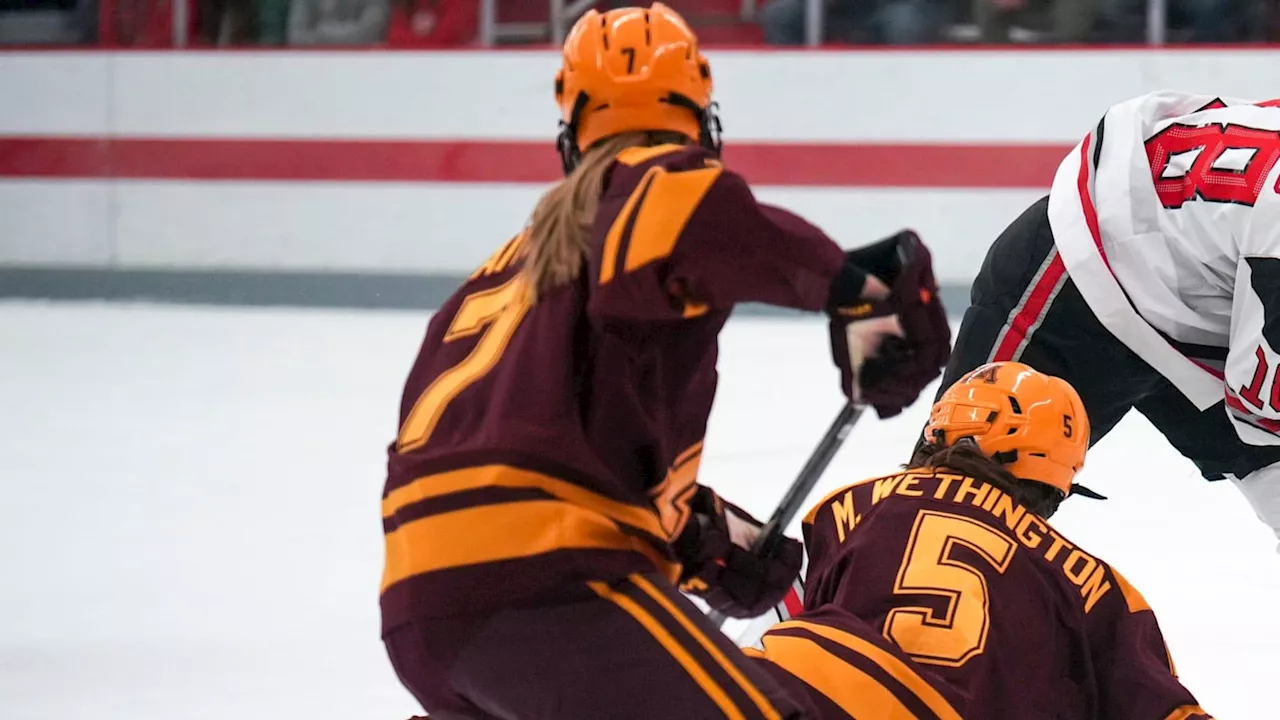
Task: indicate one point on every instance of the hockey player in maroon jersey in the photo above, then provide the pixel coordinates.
(542, 502)
(1149, 279)
(954, 563)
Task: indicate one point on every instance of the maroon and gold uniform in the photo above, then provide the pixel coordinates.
(989, 600)
(541, 495)
(843, 668)
(556, 442)
(550, 449)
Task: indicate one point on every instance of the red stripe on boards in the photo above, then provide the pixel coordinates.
(463, 161)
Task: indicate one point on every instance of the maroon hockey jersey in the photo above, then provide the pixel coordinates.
(545, 444)
(991, 600)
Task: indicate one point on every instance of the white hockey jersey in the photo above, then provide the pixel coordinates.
(1167, 218)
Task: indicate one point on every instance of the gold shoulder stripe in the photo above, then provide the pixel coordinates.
(671, 201)
(1189, 712)
(891, 664)
(633, 156)
(1132, 598)
(829, 497)
(613, 240)
(813, 511)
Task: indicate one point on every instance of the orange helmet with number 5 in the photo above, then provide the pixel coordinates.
(1034, 424)
(633, 69)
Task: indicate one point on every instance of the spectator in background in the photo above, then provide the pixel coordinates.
(47, 22)
(338, 22)
(433, 23)
(225, 22)
(894, 22)
(1195, 21)
(1061, 21)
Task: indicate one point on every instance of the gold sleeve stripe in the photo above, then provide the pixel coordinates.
(694, 310)
(673, 647)
(433, 486)
(1188, 712)
(845, 685)
(640, 155)
(762, 702)
(688, 453)
(886, 660)
(613, 240)
(489, 533)
(509, 253)
(667, 207)
(753, 652)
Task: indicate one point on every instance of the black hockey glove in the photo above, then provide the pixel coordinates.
(721, 568)
(888, 346)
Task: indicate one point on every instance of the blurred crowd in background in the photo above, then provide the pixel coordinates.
(456, 23)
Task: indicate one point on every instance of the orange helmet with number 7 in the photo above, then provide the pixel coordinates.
(633, 69)
(1035, 424)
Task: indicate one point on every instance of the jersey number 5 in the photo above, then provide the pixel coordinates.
(495, 314)
(933, 567)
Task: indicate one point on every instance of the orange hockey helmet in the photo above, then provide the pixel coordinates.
(1035, 424)
(633, 69)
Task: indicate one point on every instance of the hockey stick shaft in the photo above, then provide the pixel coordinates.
(793, 502)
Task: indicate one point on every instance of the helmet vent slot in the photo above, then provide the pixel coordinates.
(647, 41)
(1013, 402)
(604, 32)
(992, 417)
(1012, 431)
(1037, 455)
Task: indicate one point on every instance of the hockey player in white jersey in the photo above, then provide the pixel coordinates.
(1149, 278)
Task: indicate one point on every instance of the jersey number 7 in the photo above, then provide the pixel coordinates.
(932, 567)
(495, 314)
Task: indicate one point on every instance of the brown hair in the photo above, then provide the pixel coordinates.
(560, 231)
(964, 457)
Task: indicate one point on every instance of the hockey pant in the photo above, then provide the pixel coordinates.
(631, 649)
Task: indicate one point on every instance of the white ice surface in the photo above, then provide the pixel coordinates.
(189, 521)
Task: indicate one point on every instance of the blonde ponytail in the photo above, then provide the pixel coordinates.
(560, 232)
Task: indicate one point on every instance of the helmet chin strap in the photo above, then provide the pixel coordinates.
(711, 129)
(567, 138)
(567, 146)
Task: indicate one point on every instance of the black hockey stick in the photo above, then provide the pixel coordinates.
(793, 502)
